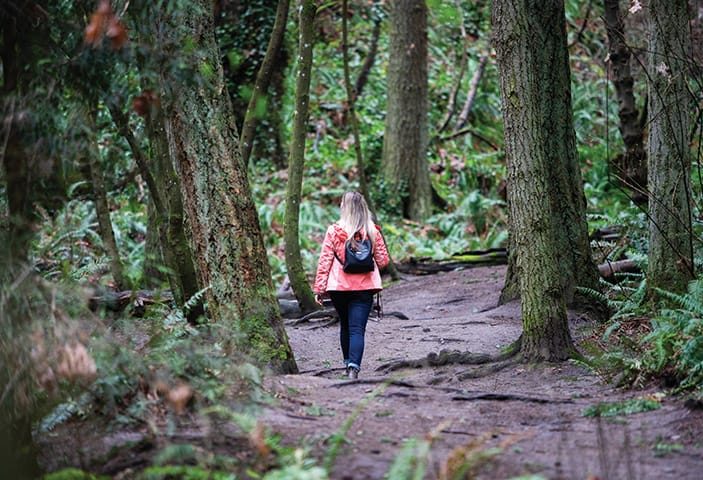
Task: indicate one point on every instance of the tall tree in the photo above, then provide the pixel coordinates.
(630, 166)
(296, 160)
(406, 134)
(228, 246)
(670, 237)
(546, 204)
(542, 88)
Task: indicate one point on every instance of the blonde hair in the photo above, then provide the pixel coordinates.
(355, 217)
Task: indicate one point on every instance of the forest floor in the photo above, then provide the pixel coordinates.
(536, 419)
(521, 420)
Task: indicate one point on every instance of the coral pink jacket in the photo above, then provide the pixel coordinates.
(331, 277)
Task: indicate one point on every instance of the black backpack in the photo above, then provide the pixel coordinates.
(359, 260)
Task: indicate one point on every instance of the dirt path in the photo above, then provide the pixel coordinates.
(536, 419)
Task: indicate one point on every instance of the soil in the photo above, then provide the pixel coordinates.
(532, 413)
(520, 420)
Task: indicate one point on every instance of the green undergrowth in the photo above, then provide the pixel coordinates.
(625, 407)
(646, 341)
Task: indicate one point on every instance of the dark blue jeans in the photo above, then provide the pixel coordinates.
(353, 309)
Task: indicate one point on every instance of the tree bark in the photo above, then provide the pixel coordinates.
(152, 274)
(544, 89)
(228, 247)
(631, 166)
(102, 209)
(263, 78)
(670, 235)
(296, 160)
(405, 141)
(530, 42)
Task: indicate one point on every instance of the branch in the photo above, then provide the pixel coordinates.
(471, 95)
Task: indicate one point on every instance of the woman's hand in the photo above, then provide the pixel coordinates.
(318, 298)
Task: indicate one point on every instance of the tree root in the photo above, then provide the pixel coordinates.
(317, 314)
(488, 369)
(326, 324)
(459, 395)
(446, 357)
(494, 396)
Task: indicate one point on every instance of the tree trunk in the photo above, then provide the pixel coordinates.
(153, 259)
(18, 178)
(631, 167)
(296, 160)
(18, 453)
(175, 247)
(547, 95)
(406, 134)
(102, 209)
(670, 235)
(263, 78)
(530, 42)
(228, 246)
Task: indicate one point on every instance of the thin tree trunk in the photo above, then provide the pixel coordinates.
(228, 246)
(471, 94)
(102, 209)
(670, 235)
(405, 140)
(370, 59)
(631, 167)
(294, 262)
(530, 42)
(363, 184)
(263, 78)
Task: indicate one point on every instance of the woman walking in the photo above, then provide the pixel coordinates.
(349, 277)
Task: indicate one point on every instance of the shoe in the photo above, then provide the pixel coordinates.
(352, 373)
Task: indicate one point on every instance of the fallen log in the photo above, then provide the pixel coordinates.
(608, 270)
(476, 258)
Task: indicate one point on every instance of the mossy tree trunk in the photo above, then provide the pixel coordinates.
(405, 141)
(296, 160)
(175, 247)
(670, 236)
(631, 166)
(152, 272)
(530, 42)
(228, 246)
(542, 86)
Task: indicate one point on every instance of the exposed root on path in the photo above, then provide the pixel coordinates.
(446, 357)
(331, 313)
(460, 395)
(494, 396)
(317, 314)
(489, 368)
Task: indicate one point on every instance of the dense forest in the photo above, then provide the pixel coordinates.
(170, 168)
